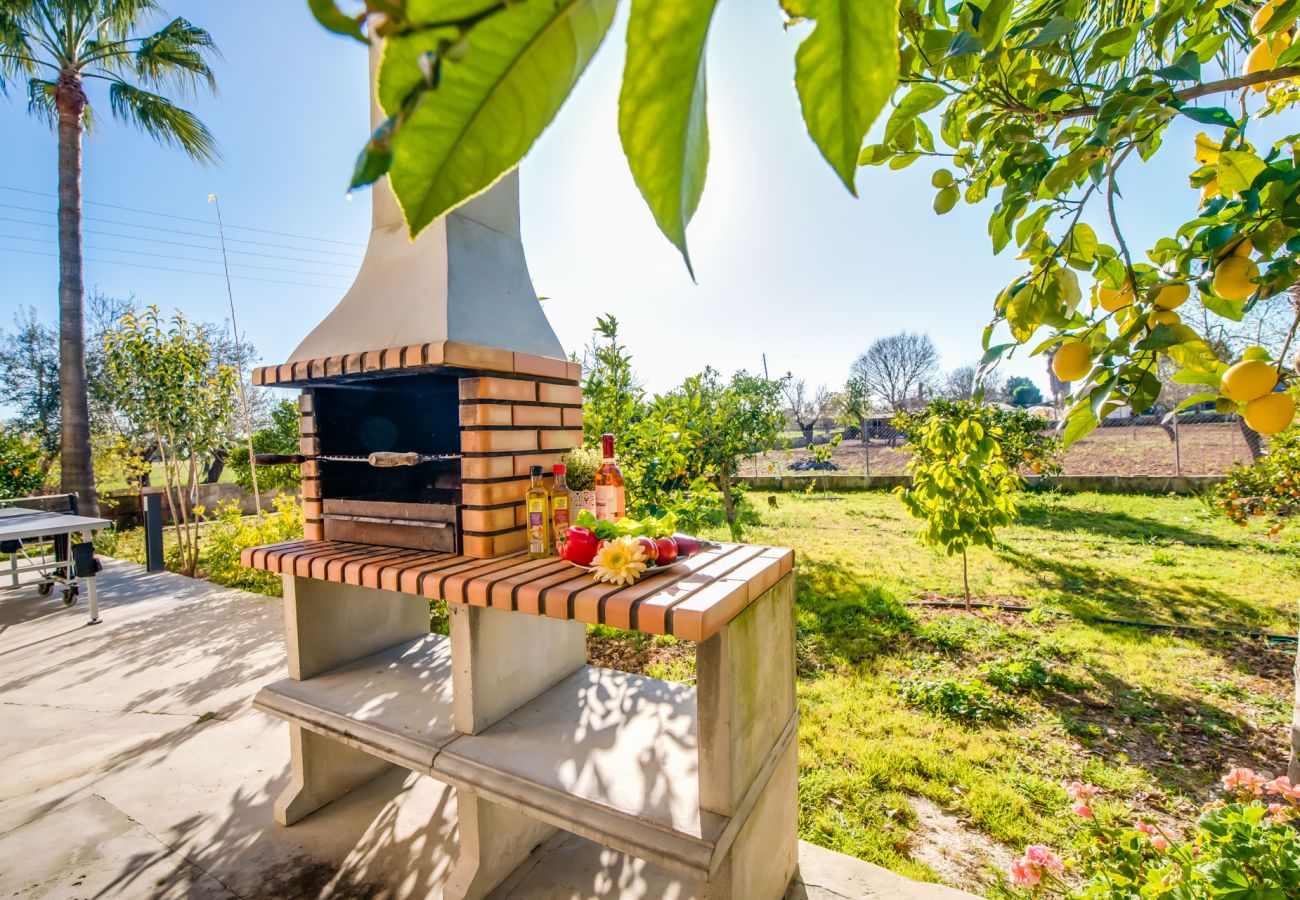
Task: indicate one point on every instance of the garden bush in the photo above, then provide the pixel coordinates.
(1244, 846)
(231, 532)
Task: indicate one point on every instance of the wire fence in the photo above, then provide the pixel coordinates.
(1194, 443)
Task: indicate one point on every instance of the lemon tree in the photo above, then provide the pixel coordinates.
(1040, 109)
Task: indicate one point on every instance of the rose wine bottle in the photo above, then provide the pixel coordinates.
(560, 504)
(539, 537)
(609, 484)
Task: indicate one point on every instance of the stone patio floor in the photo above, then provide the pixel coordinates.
(131, 765)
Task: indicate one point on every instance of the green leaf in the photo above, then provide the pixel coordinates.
(1237, 170)
(922, 98)
(376, 156)
(333, 19)
(661, 110)
(844, 72)
(1209, 115)
(1195, 399)
(964, 43)
(1056, 28)
(994, 21)
(488, 109)
(1187, 67)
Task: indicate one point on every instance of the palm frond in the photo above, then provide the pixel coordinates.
(176, 53)
(115, 18)
(16, 56)
(162, 120)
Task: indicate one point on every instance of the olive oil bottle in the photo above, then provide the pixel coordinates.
(561, 503)
(539, 526)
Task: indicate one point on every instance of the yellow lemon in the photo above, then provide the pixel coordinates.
(1234, 278)
(1170, 296)
(1263, 57)
(1263, 15)
(1270, 414)
(1164, 317)
(1072, 361)
(1112, 300)
(1243, 248)
(1248, 380)
(1207, 149)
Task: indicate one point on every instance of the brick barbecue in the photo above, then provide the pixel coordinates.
(432, 387)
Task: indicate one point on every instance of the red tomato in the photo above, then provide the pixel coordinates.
(667, 550)
(650, 547)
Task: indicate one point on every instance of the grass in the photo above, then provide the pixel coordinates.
(1153, 717)
(988, 715)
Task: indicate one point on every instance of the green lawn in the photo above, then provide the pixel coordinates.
(1153, 717)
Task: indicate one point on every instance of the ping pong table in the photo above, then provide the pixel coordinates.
(20, 526)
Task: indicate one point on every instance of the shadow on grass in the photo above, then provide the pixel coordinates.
(1117, 525)
(843, 617)
(1085, 590)
(1183, 743)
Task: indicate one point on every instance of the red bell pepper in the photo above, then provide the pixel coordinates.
(579, 546)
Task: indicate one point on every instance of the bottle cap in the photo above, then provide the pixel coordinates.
(559, 469)
(535, 471)
(607, 445)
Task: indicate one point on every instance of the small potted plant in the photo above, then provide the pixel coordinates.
(581, 465)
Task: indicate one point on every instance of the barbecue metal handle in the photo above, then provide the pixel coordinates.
(278, 459)
(387, 459)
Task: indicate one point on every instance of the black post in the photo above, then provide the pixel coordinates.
(153, 532)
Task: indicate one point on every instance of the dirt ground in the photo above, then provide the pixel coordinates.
(1208, 449)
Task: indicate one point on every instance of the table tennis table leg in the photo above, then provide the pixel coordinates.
(84, 560)
(13, 568)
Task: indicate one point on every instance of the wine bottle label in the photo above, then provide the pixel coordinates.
(608, 503)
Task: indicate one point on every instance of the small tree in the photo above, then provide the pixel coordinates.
(610, 391)
(855, 404)
(280, 436)
(806, 407)
(167, 381)
(1022, 392)
(724, 423)
(962, 487)
(900, 369)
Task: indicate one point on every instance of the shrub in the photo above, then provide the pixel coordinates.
(20, 465)
(1245, 846)
(966, 701)
(581, 465)
(231, 532)
(281, 436)
(1269, 487)
(1019, 676)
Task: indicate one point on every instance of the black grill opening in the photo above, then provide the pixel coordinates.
(404, 413)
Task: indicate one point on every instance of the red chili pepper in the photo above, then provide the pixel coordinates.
(579, 545)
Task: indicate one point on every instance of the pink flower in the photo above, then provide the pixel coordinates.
(1082, 809)
(1144, 827)
(1080, 791)
(1028, 871)
(1158, 841)
(1244, 780)
(1024, 874)
(1278, 813)
(1283, 786)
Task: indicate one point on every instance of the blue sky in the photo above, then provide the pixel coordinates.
(789, 264)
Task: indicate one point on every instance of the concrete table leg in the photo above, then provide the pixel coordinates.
(748, 752)
(328, 625)
(501, 660)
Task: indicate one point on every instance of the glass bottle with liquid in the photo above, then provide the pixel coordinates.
(535, 505)
(610, 505)
(561, 504)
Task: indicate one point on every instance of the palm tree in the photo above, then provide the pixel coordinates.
(59, 46)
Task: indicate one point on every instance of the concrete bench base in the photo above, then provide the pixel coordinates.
(700, 781)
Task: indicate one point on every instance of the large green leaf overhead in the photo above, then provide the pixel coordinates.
(661, 109)
(490, 106)
(844, 72)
